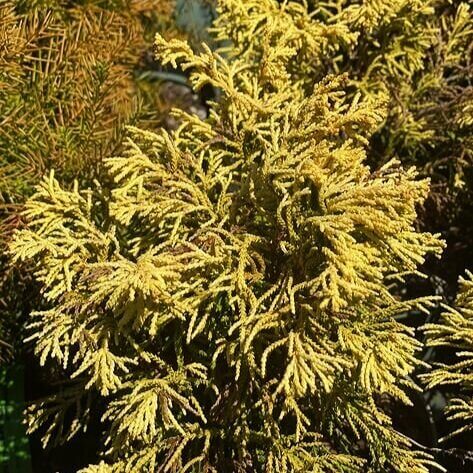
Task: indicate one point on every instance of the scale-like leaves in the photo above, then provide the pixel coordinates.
(232, 301)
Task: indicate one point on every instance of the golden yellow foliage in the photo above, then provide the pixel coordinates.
(230, 298)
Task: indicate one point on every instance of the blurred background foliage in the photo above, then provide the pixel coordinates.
(14, 448)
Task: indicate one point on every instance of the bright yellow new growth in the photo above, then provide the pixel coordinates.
(231, 296)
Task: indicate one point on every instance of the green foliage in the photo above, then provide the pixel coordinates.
(231, 297)
(455, 330)
(14, 448)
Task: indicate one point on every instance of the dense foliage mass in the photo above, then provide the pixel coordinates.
(419, 53)
(68, 85)
(230, 300)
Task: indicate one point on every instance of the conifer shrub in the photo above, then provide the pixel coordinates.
(228, 302)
